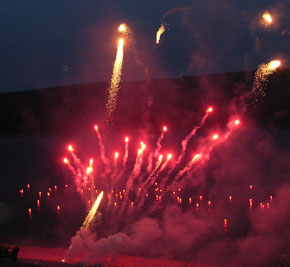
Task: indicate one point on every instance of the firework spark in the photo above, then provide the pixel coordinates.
(93, 210)
(261, 77)
(160, 31)
(267, 18)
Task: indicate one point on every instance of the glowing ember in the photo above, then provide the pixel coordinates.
(225, 223)
(210, 109)
(215, 137)
(196, 157)
(237, 122)
(89, 170)
(160, 31)
(116, 156)
(122, 28)
(126, 139)
(164, 128)
(70, 148)
(169, 156)
(267, 18)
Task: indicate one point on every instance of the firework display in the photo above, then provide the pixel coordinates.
(144, 191)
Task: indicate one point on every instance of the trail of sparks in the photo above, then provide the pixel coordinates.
(93, 211)
(261, 77)
(160, 31)
(157, 151)
(115, 81)
(193, 132)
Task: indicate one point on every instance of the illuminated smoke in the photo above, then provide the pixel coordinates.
(115, 81)
(261, 78)
(160, 31)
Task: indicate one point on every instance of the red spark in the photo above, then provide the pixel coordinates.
(210, 109)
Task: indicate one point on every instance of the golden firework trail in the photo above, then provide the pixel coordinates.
(115, 81)
(160, 31)
(261, 75)
(93, 210)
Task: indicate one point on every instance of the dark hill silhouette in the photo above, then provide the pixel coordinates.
(72, 109)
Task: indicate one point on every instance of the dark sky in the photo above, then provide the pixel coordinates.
(48, 43)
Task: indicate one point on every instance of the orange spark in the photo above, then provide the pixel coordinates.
(160, 31)
(96, 128)
(267, 17)
(122, 28)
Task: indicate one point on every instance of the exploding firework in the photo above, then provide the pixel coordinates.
(160, 31)
(115, 81)
(261, 78)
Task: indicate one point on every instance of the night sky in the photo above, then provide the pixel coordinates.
(52, 43)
